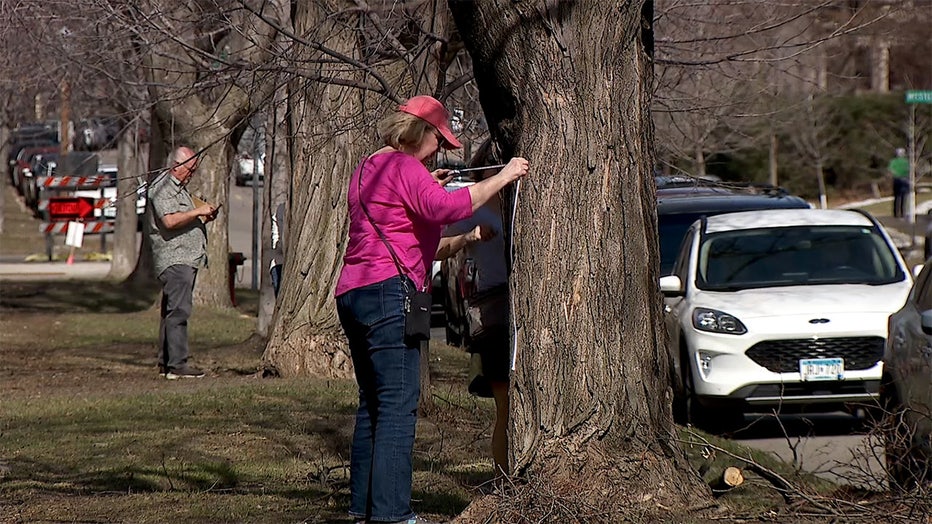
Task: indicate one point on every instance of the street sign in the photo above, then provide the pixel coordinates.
(70, 208)
(919, 97)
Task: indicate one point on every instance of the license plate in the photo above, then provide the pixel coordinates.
(812, 369)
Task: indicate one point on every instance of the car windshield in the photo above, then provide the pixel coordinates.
(789, 256)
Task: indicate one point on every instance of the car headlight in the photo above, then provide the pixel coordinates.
(715, 321)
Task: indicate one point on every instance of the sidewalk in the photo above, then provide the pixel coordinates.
(81, 270)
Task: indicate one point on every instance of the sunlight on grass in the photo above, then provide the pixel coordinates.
(260, 437)
(208, 327)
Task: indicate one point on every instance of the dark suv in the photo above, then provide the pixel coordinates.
(683, 200)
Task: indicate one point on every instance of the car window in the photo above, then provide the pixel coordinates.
(670, 230)
(802, 255)
(681, 269)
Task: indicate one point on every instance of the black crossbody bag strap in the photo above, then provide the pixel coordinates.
(365, 210)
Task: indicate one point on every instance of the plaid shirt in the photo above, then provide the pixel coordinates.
(185, 245)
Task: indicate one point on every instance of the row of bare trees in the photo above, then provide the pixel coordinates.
(569, 85)
(747, 77)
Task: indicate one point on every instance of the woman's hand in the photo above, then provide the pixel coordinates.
(481, 192)
(516, 168)
(442, 176)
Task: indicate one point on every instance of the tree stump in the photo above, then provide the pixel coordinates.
(730, 479)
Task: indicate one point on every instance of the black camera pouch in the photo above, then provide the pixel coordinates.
(417, 315)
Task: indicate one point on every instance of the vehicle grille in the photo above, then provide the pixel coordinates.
(782, 356)
(815, 389)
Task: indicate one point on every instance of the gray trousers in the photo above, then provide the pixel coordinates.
(177, 294)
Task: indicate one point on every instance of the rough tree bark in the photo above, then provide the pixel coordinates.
(568, 85)
(330, 134)
(333, 117)
(132, 159)
(277, 190)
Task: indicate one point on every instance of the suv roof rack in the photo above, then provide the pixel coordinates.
(683, 181)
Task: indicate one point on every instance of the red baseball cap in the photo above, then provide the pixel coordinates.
(430, 110)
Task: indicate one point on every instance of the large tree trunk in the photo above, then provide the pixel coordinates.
(144, 272)
(568, 86)
(329, 139)
(132, 159)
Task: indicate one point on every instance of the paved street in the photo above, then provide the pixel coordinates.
(831, 445)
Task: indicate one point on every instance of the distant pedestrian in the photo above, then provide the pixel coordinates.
(898, 168)
(179, 248)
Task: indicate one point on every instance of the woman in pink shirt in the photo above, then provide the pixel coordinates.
(396, 213)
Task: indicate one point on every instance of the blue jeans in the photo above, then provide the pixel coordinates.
(387, 372)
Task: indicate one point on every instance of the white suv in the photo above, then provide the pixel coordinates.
(780, 308)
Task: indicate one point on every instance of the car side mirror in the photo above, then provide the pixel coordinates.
(672, 286)
(917, 269)
(926, 320)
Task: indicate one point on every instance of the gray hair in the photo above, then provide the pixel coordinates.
(175, 157)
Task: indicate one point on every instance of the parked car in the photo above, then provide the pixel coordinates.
(244, 166)
(16, 148)
(780, 308)
(96, 133)
(36, 132)
(29, 182)
(906, 388)
(22, 166)
(109, 192)
(683, 200)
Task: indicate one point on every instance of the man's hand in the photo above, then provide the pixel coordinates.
(442, 176)
(207, 213)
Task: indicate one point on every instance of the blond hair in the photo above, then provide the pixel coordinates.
(403, 131)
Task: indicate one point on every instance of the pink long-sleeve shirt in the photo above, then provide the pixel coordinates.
(410, 208)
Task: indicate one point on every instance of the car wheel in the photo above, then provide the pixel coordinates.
(719, 420)
(680, 393)
(904, 469)
(29, 192)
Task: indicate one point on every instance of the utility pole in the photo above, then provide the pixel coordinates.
(913, 98)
